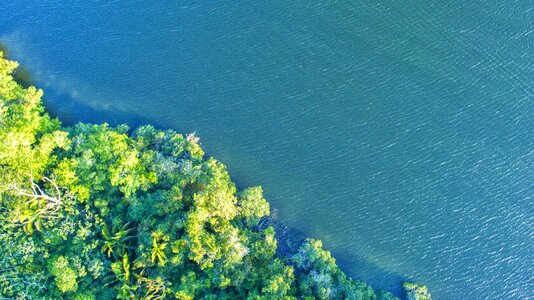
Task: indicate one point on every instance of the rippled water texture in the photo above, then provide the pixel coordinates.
(401, 134)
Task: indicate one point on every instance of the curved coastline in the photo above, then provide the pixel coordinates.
(148, 209)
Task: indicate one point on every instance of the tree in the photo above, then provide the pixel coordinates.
(416, 292)
(64, 275)
(97, 212)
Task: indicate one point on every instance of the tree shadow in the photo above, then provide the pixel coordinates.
(289, 239)
(21, 74)
(71, 111)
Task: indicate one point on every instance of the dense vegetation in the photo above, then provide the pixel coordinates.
(94, 212)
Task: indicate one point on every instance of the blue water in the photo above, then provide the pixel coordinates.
(399, 133)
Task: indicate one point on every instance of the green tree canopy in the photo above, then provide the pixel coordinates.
(100, 212)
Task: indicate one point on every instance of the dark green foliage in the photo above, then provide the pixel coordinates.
(321, 278)
(93, 212)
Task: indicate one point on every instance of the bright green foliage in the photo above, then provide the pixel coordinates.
(252, 205)
(28, 137)
(416, 292)
(64, 276)
(96, 212)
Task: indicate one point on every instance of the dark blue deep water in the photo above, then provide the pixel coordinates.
(398, 132)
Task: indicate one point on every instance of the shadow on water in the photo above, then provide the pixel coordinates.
(72, 111)
(21, 74)
(380, 274)
(289, 239)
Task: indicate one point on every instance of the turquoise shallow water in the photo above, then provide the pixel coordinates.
(401, 134)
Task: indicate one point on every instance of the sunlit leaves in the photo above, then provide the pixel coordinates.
(65, 276)
(252, 205)
(416, 292)
(147, 217)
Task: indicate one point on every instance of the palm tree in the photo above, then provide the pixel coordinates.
(125, 288)
(158, 252)
(116, 239)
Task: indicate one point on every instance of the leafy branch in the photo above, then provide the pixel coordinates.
(39, 204)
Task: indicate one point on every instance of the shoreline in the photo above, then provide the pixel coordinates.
(141, 183)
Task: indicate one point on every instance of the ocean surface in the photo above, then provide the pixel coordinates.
(400, 133)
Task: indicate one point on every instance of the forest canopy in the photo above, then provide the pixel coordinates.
(100, 212)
